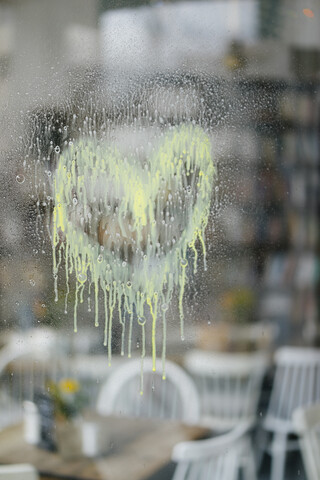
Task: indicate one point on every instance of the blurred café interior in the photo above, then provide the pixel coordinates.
(223, 382)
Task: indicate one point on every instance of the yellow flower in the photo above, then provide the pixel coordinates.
(69, 385)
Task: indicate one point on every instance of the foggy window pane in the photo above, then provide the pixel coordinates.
(159, 173)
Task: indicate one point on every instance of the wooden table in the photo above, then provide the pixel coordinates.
(138, 448)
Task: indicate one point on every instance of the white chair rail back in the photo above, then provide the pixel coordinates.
(25, 368)
(229, 385)
(296, 383)
(175, 397)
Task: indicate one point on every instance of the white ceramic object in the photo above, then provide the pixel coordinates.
(31, 423)
(94, 439)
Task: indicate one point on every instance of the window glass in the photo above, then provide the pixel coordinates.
(159, 173)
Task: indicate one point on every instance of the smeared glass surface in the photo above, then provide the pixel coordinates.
(124, 219)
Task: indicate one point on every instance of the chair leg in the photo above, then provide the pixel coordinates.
(260, 441)
(248, 461)
(278, 456)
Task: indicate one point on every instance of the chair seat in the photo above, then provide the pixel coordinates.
(218, 458)
(274, 424)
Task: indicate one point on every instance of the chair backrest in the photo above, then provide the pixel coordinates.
(218, 458)
(296, 383)
(229, 385)
(11, 384)
(306, 422)
(32, 358)
(21, 471)
(175, 397)
(25, 369)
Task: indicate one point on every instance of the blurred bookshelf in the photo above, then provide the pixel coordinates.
(269, 223)
(290, 279)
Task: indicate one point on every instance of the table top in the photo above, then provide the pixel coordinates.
(137, 449)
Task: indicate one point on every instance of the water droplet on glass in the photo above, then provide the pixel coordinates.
(188, 190)
(183, 262)
(100, 258)
(20, 178)
(164, 307)
(129, 284)
(141, 320)
(74, 201)
(217, 189)
(82, 277)
(32, 282)
(57, 149)
(124, 263)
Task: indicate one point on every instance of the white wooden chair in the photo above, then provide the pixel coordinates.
(229, 386)
(296, 383)
(25, 366)
(10, 390)
(218, 458)
(173, 398)
(32, 358)
(22, 471)
(306, 421)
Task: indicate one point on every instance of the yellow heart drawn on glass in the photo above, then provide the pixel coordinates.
(128, 221)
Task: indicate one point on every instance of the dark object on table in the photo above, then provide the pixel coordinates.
(45, 405)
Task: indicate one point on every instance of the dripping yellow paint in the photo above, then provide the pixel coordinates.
(125, 224)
